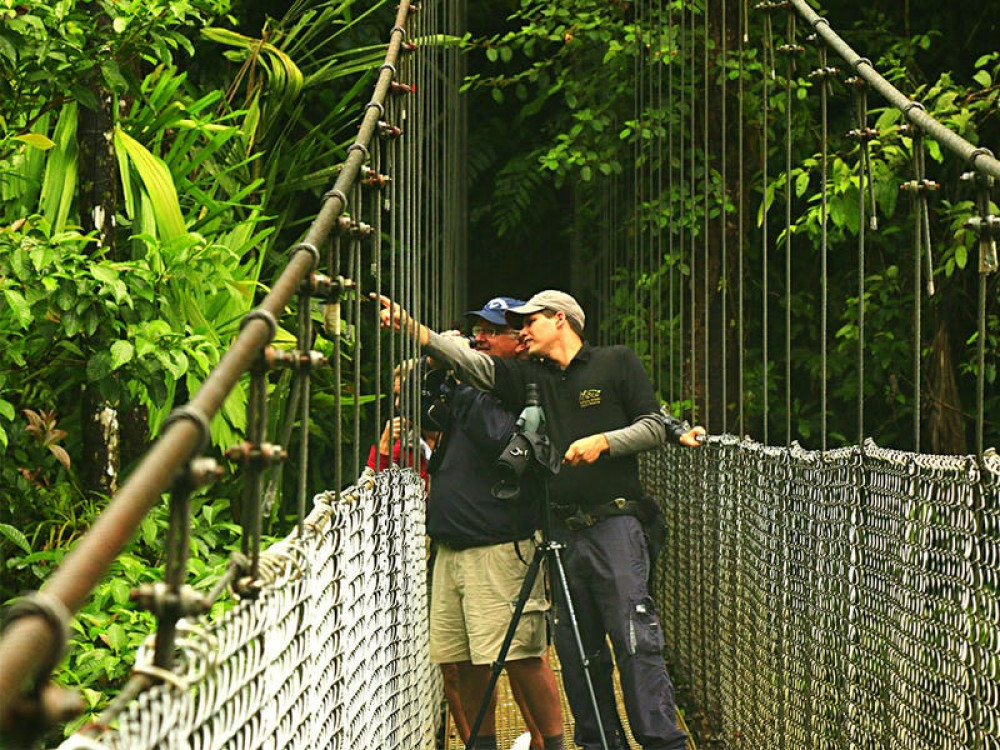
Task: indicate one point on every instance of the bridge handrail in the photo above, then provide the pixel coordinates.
(29, 643)
(981, 159)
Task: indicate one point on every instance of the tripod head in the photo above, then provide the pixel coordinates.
(529, 448)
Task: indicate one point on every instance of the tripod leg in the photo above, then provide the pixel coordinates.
(574, 626)
(522, 598)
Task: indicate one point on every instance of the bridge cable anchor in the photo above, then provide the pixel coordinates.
(306, 247)
(357, 229)
(193, 414)
(387, 130)
(338, 194)
(46, 704)
(372, 178)
(261, 314)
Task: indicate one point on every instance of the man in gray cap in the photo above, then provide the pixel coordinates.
(601, 412)
(481, 547)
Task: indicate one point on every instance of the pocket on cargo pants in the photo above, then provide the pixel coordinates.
(644, 633)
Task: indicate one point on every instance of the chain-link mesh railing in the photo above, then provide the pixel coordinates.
(331, 654)
(839, 599)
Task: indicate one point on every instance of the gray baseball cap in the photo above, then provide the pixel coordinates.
(550, 299)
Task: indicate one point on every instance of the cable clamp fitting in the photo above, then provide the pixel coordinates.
(193, 414)
(348, 225)
(371, 178)
(988, 229)
(769, 6)
(338, 194)
(261, 314)
(56, 615)
(294, 359)
(790, 49)
(389, 131)
(263, 455)
(920, 186)
(823, 74)
(863, 134)
(981, 152)
(359, 147)
(307, 248)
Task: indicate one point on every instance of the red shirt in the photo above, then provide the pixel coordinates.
(379, 461)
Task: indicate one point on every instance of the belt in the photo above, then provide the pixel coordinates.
(576, 517)
(459, 545)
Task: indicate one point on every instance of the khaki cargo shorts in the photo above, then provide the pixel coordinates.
(473, 595)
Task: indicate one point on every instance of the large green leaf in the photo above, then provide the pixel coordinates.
(158, 185)
(59, 183)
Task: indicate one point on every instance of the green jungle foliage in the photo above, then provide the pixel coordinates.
(227, 121)
(562, 75)
(228, 118)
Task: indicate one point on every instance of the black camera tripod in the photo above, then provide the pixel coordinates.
(545, 549)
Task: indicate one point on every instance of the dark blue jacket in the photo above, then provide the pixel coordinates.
(461, 509)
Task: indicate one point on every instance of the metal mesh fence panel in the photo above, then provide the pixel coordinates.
(838, 599)
(332, 653)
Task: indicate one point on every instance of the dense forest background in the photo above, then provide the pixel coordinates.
(157, 159)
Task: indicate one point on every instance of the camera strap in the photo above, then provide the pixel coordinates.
(437, 456)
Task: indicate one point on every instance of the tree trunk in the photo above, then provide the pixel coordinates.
(945, 421)
(98, 198)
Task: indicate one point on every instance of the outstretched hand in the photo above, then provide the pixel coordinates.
(392, 315)
(694, 437)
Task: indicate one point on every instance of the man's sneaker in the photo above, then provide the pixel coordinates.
(522, 743)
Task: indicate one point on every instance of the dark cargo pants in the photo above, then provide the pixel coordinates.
(606, 569)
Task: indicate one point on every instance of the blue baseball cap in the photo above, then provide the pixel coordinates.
(494, 310)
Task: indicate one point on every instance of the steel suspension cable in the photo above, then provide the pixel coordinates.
(332, 321)
(418, 166)
(706, 249)
(693, 234)
(659, 226)
(863, 135)
(724, 218)
(981, 159)
(743, 35)
(790, 49)
(354, 266)
(824, 74)
(768, 72)
(672, 211)
(681, 247)
(918, 202)
(988, 227)
(634, 265)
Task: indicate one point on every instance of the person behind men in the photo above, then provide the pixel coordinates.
(601, 411)
(389, 450)
(481, 548)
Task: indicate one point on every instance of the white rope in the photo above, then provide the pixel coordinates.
(333, 653)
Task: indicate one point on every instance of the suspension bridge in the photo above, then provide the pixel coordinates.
(842, 595)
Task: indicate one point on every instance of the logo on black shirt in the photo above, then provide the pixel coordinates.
(590, 397)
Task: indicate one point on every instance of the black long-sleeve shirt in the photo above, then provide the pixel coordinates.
(602, 390)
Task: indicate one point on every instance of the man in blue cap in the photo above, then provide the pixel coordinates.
(601, 412)
(483, 546)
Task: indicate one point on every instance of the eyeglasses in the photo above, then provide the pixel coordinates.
(490, 331)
